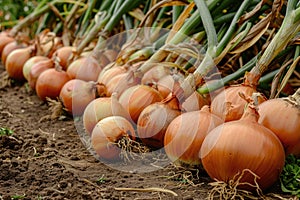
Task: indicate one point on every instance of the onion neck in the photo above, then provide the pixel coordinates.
(250, 113)
(295, 98)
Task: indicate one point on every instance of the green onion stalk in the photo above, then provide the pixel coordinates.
(110, 19)
(288, 30)
(40, 10)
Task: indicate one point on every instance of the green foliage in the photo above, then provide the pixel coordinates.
(290, 176)
(5, 131)
(12, 10)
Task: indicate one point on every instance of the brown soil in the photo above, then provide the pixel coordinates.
(47, 160)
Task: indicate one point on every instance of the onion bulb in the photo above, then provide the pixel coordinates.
(108, 73)
(9, 48)
(15, 62)
(100, 108)
(185, 134)
(62, 56)
(50, 82)
(229, 105)
(155, 74)
(84, 68)
(76, 94)
(194, 102)
(169, 83)
(107, 133)
(121, 82)
(37, 69)
(138, 97)
(154, 121)
(282, 116)
(4, 40)
(30, 62)
(240, 145)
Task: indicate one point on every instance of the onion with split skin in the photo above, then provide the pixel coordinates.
(240, 145)
(282, 116)
(100, 108)
(194, 102)
(169, 84)
(185, 134)
(154, 121)
(62, 56)
(106, 135)
(229, 105)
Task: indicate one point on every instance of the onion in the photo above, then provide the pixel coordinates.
(194, 102)
(240, 145)
(138, 97)
(30, 62)
(49, 43)
(9, 48)
(84, 68)
(109, 73)
(121, 82)
(50, 82)
(99, 109)
(155, 74)
(185, 134)
(229, 105)
(37, 69)
(154, 121)
(106, 135)
(62, 56)
(282, 116)
(4, 40)
(169, 83)
(110, 54)
(15, 62)
(76, 94)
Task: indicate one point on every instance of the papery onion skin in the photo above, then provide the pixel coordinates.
(156, 73)
(88, 69)
(101, 108)
(121, 83)
(9, 48)
(154, 121)
(194, 102)
(36, 71)
(229, 105)
(108, 74)
(138, 97)
(243, 144)
(62, 56)
(283, 118)
(30, 62)
(50, 82)
(169, 83)
(185, 134)
(76, 94)
(15, 62)
(4, 40)
(107, 132)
